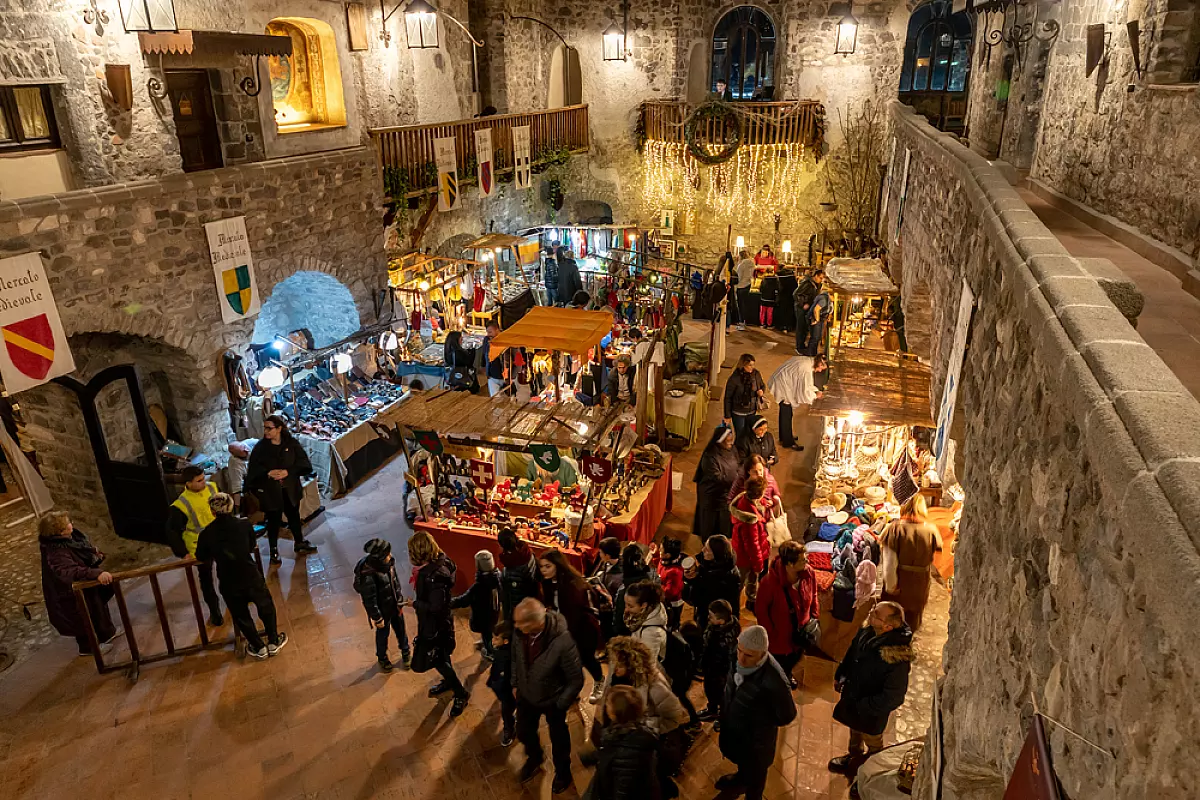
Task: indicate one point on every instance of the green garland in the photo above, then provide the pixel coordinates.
(713, 110)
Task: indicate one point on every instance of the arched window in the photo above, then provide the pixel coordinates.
(937, 53)
(306, 87)
(743, 54)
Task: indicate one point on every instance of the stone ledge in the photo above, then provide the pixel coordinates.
(1160, 432)
(1122, 291)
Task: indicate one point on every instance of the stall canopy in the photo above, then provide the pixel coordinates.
(863, 276)
(488, 420)
(527, 249)
(887, 388)
(567, 330)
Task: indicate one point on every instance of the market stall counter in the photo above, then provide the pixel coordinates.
(647, 507)
(461, 543)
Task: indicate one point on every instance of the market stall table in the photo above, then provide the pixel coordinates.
(462, 543)
(647, 507)
(685, 415)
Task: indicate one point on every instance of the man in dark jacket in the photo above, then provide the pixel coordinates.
(376, 581)
(519, 575)
(872, 679)
(229, 542)
(620, 385)
(569, 281)
(758, 702)
(548, 677)
(806, 291)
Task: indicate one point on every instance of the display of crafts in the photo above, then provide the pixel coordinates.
(325, 411)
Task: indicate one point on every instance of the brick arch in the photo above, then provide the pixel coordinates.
(348, 275)
(142, 323)
(452, 246)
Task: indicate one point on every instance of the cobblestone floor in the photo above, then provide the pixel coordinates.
(320, 720)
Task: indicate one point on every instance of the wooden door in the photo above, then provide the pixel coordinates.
(195, 120)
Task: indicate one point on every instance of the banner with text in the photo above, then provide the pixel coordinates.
(447, 167)
(522, 174)
(35, 347)
(958, 349)
(233, 266)
(483, 157)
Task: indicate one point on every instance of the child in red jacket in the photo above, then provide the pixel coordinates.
(750, 511)
(670, 577)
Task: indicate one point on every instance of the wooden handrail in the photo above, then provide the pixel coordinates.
(763, 123)
(406, 153)
(140, 572)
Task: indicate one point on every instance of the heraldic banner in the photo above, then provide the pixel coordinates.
(35, 347)
(483, 157)
(447, 167)
(522, 163)
(229, 248)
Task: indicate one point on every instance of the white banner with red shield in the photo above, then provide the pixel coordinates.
(484, 158)
(35, 347)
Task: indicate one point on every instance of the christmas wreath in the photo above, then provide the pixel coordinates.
(713, 110)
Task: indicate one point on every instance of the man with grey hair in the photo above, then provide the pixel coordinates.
(619, 388)
(758, 702)
(872, 679)
(547, 676)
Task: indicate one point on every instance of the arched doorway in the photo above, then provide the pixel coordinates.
(311, 301)
(743, 54)
(936, 72)
(306, 87)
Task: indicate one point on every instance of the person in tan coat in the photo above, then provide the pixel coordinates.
(908, 546)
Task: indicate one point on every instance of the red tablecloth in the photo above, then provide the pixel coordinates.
(462, 545)
(643, 524)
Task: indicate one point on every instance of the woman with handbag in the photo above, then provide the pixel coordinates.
(787, 606)
(434, 643)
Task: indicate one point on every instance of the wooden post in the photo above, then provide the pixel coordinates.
(413, 473)
(556, 366)
(587, 502)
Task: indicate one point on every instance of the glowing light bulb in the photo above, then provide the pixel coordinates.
(855, 418)
(423, 286)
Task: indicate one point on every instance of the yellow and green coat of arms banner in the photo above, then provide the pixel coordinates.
(233, 266)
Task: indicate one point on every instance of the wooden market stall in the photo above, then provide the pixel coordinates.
(860, 292)
(513, 260)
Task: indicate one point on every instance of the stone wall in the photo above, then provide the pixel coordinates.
(311, 300)
(132, 259)
(1128, 154)
(1076, 570)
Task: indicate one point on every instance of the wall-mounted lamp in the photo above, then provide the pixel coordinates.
(847, 34)
(271, 378)
(616, 39)
(148, 16)
(342, 363)
(740, 242)
(420, 22)
(787, 251)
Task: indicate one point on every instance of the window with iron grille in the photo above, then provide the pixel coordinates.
(27, 119)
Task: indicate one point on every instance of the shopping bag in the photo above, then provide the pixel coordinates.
(777, 530)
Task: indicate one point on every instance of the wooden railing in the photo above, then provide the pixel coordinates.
(406, 156)
(786, 122)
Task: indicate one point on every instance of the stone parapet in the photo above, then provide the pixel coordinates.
(1077, 570)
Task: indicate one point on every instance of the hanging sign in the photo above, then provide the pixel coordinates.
(428, 440)
(483, 473)
(881, 223)
(522, 175)
(483, 157)
(447, 167)
(35, 347)
(903, 194)
(941, 440)
(598, 470)
(1033, 775)
(546, 456)
(229, 249)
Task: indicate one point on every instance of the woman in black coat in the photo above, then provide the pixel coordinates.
(626, 750)
(715, 577)
(68, 556)
(757, 439)
(460, 364)
(714, 478)
(569, 281)
(434, 643)
(277, 463)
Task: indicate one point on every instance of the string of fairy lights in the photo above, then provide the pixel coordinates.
(759, 181)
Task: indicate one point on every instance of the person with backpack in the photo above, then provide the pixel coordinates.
(626, 750)
(483, 598)
(229, 543)
(818, 320)
(806, 291)
(720, 649)
(378, 585)
(519, 576)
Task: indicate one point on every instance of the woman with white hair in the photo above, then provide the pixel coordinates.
(229, 542)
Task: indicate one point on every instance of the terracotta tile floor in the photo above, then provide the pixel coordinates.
(1170, 322)
(320, 720)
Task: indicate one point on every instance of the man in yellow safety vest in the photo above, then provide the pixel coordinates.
(186, 517)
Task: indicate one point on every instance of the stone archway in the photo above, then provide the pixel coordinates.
(453, 246)
(307, 299)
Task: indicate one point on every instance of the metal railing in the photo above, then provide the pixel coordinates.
(137, 656)
(406, 155)
(775, 123)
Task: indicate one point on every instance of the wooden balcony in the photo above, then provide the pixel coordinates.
(776, 123)
(406, 155)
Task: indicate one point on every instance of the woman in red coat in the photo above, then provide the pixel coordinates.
(787, 600)
(750, 511)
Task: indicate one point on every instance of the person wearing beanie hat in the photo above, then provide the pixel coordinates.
(229, 543)
(376, 581)
(757, 704)
(483, 598)
(756, 439)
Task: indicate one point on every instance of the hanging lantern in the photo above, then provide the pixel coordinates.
(420, 19)
(390, 341)
(847, 34)
(271, 378)
(614, 43)
(342, 363)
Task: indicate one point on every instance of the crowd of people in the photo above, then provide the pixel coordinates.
(652, 627)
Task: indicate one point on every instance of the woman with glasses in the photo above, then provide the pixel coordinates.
(277, 464)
